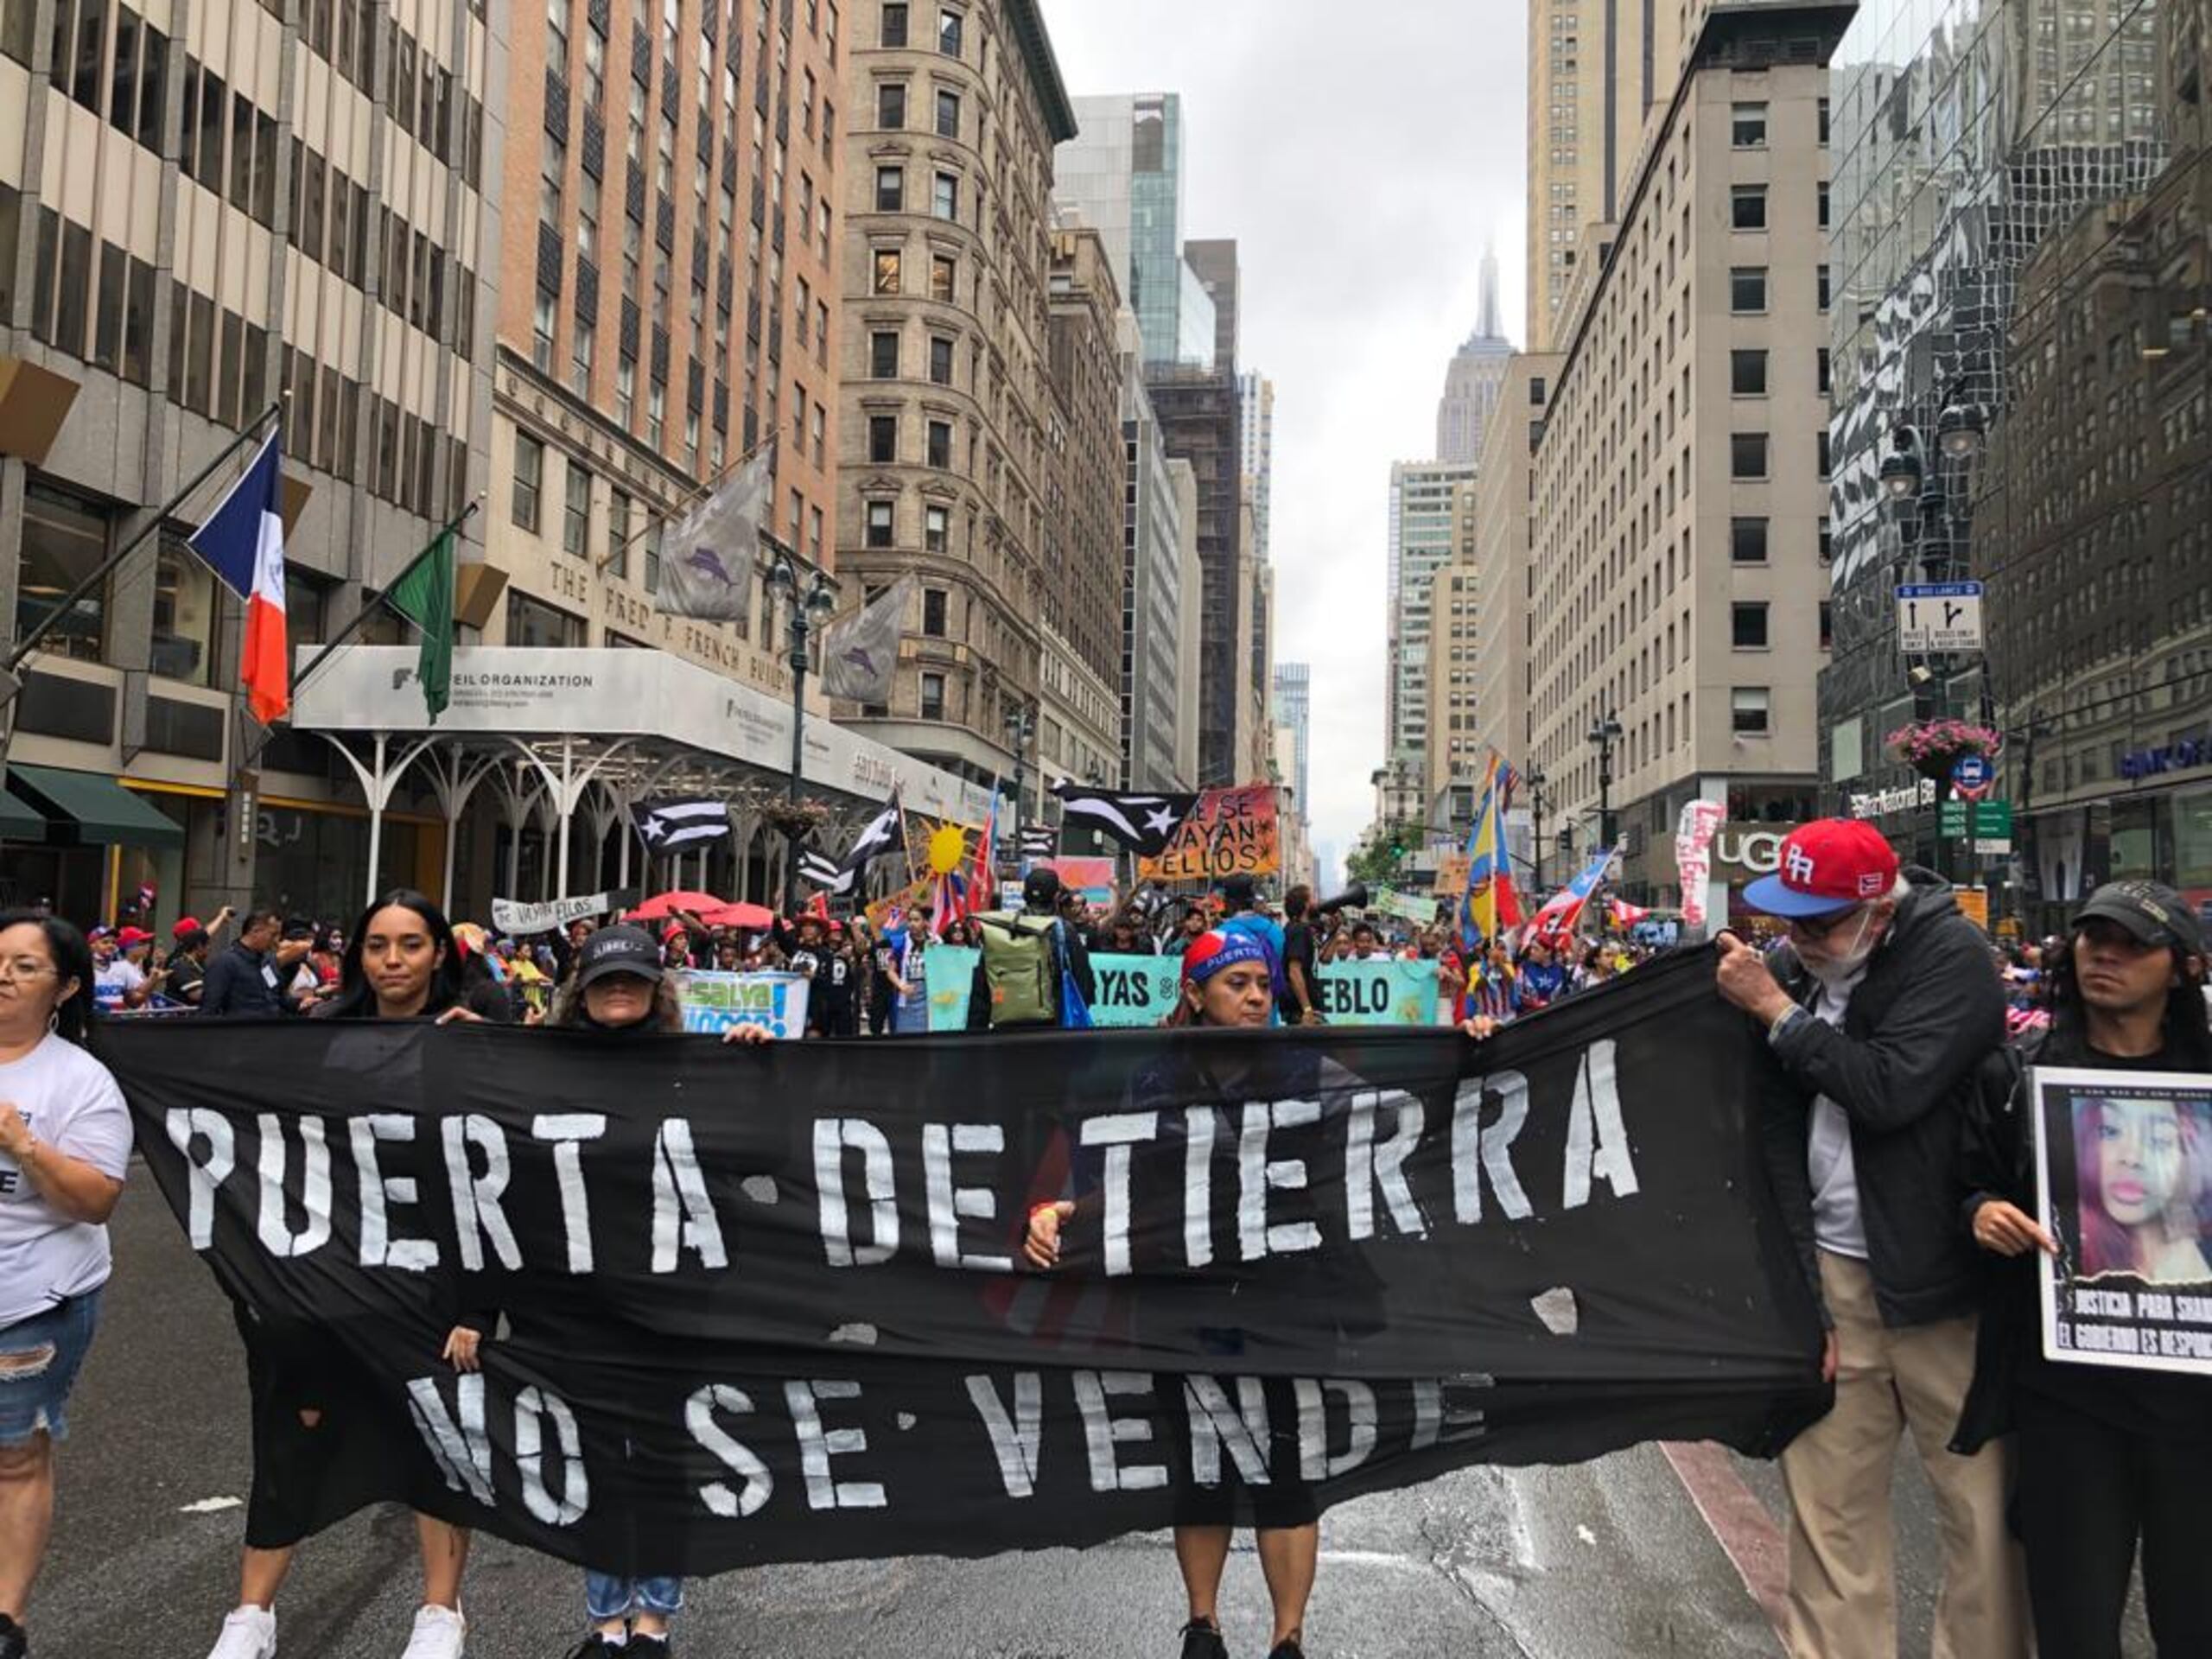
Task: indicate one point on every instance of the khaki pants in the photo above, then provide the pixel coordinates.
(1842, 1591)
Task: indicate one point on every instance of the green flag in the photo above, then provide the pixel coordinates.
(423, 594)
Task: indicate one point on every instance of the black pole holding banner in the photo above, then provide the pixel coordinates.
(375, 601)
(11, 682)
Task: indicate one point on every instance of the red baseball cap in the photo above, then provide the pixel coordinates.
(132, 936)
(1827, 865)
(185, 925)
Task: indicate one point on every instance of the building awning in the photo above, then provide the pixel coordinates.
(18, 821)
(93, 809)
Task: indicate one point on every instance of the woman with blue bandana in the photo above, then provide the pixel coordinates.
(1228, 983)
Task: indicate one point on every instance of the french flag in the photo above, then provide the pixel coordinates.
(242, 543)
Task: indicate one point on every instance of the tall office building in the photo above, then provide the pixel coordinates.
(663, 310)
(1505, 533)
(1597, 77)
(1682, 473)
(1255, 396)
(1121, 173)
(1183, 479)
(1293, 708)
(1153, 681)
(947, 402)
(1960, 243)
(1084, 467)
(1421, 495)
(1472, 382)
(206, 213)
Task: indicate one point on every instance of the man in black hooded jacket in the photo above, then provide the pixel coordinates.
(1878, 1011)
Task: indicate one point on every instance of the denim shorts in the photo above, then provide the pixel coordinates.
(34, 1395)
(608, 1596)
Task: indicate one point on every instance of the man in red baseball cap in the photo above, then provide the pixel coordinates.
(1877, 1013)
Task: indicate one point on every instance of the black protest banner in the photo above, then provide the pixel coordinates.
(765, 1304)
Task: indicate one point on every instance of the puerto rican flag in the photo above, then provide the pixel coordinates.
(242, 543)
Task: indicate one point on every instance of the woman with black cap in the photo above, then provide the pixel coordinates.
(2104, 1456)
(622, 991)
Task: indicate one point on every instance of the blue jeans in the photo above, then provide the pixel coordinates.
(609, 1597)
(34, 1394)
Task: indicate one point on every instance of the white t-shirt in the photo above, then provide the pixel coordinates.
(1837, 1226)
(112, 983)
(73, 1106)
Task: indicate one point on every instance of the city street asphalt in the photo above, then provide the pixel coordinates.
(1602, 1560)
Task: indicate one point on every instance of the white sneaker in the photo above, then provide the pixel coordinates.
(248, 1633)
(438, 1634)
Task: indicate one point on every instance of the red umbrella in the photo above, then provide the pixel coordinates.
(667, 903)
(738, 914)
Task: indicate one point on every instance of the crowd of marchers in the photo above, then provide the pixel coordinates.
(1892, 1086)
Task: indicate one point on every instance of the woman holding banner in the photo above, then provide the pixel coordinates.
(1228, 983)
(64, 1144)
(402, 961)
(2107, 1454)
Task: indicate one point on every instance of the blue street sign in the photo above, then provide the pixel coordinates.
(1972, 775)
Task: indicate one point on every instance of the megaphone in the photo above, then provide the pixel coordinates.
(1352, 897)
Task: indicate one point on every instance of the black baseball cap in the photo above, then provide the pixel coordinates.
(2153, 913)
(1240, 890)
(1041, 888)
(619, 949)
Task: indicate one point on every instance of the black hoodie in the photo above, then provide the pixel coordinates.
(1928, 1011)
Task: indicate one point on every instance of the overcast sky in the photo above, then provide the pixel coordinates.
(1362, 158)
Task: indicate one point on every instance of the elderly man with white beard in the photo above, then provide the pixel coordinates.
(1878, 1010)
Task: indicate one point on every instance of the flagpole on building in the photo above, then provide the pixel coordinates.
(376, 601)
(10, 681)
(698, 493)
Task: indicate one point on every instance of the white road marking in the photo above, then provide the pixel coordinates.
(210, 1506)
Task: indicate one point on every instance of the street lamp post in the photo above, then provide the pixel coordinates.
(810, 610)
(1605, 732)
(1020, 727)
(1537, 782)
(1932, 507)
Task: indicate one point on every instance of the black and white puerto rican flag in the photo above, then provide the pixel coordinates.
(824, 871)
(672, 826)
(1143, 823)
(881, 834)
(1039, 841)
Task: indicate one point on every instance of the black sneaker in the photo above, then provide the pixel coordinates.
(1289, 1649)
(649, 1646)
(1203, 1641)
(15, 1640)
(596, 1646)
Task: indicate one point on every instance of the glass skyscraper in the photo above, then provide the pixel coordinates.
(1122, 175)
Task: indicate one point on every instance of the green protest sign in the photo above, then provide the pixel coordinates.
(948, 972)
(1134, 990)
(1382, 991)
(1406, 906)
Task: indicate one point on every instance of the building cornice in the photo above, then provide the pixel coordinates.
(1027, 24)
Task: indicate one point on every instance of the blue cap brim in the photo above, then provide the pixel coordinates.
(1768, 894)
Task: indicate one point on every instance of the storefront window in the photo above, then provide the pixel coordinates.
(64, 541)
(184, 616)
(2135, 841)
(316, 864)
(2193, 840)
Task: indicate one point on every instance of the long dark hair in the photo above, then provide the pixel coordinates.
(2188, 1024)
(357, 998)
(73, 959)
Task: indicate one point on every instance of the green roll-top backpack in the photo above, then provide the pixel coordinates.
(1019, 968)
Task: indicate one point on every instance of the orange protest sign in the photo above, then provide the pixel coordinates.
(1229, 832)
